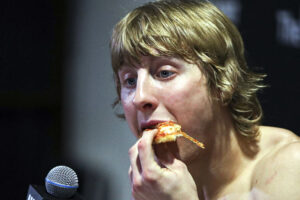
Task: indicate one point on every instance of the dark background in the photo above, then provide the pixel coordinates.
(32, 55)
(280, 61)
(31, 69)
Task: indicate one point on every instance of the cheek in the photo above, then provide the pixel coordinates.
(127, 110)
(191, 107)
(188, 98)
(126, 100)
(130, 113)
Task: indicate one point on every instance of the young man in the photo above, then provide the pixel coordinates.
(183, 61)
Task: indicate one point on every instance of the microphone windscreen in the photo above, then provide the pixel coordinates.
(61, 182)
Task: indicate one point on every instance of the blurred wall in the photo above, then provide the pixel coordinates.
(95, 138)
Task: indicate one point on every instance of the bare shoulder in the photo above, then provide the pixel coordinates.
(275, 135)
(277, 172)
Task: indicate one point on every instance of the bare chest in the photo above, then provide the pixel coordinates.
(241, 188)
(241, 191)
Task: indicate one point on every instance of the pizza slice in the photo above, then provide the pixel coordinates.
(169, 131)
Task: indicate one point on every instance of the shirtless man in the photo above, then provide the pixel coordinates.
(183, 61)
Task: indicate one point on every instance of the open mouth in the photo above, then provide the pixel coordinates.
(150, 124)
(148, 128)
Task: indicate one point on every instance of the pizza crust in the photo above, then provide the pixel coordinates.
(169, 131)
(166, 138)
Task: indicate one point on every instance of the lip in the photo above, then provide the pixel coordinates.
(150, 124)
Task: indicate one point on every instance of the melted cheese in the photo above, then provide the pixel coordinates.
(170, 129)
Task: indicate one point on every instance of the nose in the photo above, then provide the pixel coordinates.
(144, 98)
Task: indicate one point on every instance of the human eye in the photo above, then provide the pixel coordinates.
(165, 74)
(127, 77)
(130, 82)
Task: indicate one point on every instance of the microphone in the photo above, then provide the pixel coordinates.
(60, 183)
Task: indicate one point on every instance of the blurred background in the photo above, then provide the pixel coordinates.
(56, 86)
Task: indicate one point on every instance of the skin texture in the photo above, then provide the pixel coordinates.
(163, 89)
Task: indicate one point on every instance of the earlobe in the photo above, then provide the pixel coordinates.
(117, 109)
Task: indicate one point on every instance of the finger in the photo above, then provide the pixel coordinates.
(145, 150)
(134, 163)
(162, 153)
(130, 174)
(167, 159)
(170, 161)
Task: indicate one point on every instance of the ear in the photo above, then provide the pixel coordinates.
(118, 111)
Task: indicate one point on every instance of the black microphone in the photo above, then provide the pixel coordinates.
(61, 183)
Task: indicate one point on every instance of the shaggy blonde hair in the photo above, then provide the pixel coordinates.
(197, 32)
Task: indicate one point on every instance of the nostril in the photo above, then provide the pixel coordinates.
(147, 105)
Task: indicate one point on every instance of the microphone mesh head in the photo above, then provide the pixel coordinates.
(61, 182)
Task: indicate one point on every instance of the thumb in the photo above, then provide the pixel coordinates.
(171, 162)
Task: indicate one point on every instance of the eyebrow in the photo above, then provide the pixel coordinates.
(125, 66)
(152, 59)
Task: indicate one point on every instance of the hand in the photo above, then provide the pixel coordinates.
(163, 179)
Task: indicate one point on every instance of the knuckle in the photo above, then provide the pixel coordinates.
(136, 185)
(149, 176)
(142, 145)
(182, 166)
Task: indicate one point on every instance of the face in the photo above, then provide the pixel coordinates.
(163, 89)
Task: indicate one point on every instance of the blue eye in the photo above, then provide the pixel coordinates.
(165, 74)
(131, 81)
